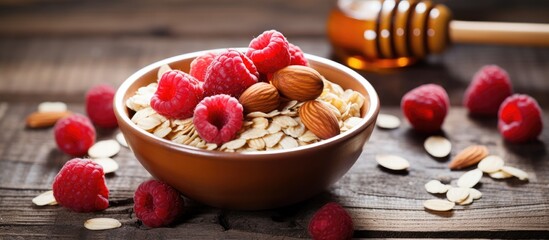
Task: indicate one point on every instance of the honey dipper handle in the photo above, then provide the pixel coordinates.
(531, 34)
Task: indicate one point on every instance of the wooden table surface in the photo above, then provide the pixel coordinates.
(56, 50)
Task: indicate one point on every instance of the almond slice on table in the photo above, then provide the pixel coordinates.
(474, 193)
(437, 146)
(45, 198)
(469, 156)
(438, 205)
(500, 175)
(52, 107)
(102, 223)
(108, 164)
(104, 149)
(467, 200)
(435, 187)
(458, 194)
(392, 162)
(520, 174)
(121, 139)
(491, 164)
(470, 178)
(387, 121)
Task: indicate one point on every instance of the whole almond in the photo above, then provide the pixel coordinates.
(260, 97)
(319, 119)
(298, 82)
(469, 156)
(45, 119)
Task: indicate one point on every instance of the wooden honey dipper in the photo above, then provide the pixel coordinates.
(391, 33)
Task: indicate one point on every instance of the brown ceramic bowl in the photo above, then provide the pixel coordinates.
(255, 180)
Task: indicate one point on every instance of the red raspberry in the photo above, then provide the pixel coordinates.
(200, 64)
(231, 72)
(269, 51)
(80, 186)
(218, 118)
(296, 56)
(331, 222)
(520, 118)
(74, 134)
(425, 107)
(489, 87)
(157, 204)
(99, 106)
(177, 95)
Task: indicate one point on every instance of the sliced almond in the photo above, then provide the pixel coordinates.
(387, 121)
(470, 178)
(104, 149)
(234, 144)
(257, 144)
(52, 107)
(352, 121)
(435, 187)
(458, 194)
(500, 175)
(469, 156)
(272, 139)
(102, 223)
(438, 205)
(45, 198)
(437, 146)
(120, 138)
(285, 121)
(475, 194)
(288, 142)
(254, 133)
(467, 200)
(308, 136)
(163, 69)
(260, 122)
(520, 174)
(491, 164)
(108, 164)
(392, 162)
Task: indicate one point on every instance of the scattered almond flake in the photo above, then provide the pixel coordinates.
(257, 114)
(104, 149)
(520, 174)
(253, 133)
(272, 139)
(45, 198)
(475, 194)
(470, 178)
(102, 223)
(163, 69)
(181, 139)
(392, 162)
(52, 107)
(437, 146)
(149, 123)
(387, 121)
(274, 128)
(257, 144)
(285, 121)
(435, 187)
(438, 205)
(467, 200)
(120, 138)
(163, 130)
(108, 164)
(288, 142)
(308, 136)
(500, 175)
(142, 114)
(295, 131)
(352, 121)
(234, 144)
(491, 164)
(260, 122)
(183, 122)
(192, 137)
(458, 194)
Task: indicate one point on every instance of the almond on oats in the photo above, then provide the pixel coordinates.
(469, 156)
(260, 97)
(319, 119)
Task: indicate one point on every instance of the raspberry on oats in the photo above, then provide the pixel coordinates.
(230, 72)
(269, 51)
(218, 118)
(74, 134)
(425, 107)
(80, 186)
(489, 87)
(157, 204)
(99, 106)
(520, 118)
(177, 95)
(200, 64)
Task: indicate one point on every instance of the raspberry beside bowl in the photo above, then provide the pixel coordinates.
(251, 180)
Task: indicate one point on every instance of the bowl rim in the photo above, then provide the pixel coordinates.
(121, 112)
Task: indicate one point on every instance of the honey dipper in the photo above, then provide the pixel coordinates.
(391, 33)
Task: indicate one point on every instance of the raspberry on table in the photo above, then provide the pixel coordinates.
(200, 64)
(425, 107)
(269, 51)
(80, 186)
(489, 87)
(519, 118)
(231, 72)
(99, 106)
(74, 134)
(331, 222)
(296, 56)
(157, 204)
(218, 118)
(177, 95)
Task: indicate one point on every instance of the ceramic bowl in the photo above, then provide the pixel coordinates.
(251, 180)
